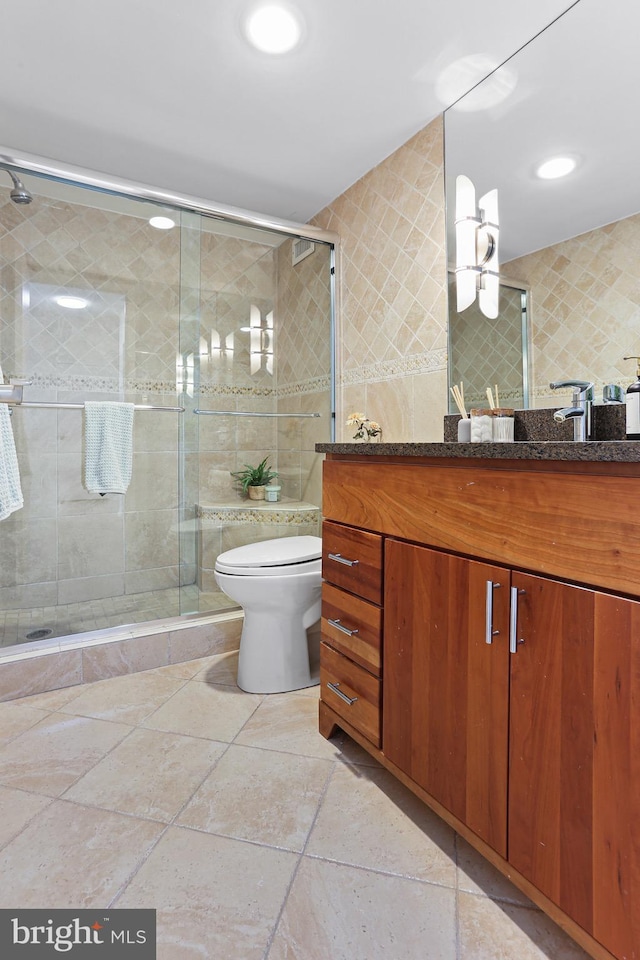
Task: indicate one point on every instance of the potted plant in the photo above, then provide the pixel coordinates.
(254, 479)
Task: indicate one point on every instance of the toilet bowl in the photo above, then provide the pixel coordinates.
(278, 585)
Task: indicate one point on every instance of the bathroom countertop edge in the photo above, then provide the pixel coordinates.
(605, 451)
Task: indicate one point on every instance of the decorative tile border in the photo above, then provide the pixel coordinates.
(55, 382)
(314, 385)
(92, 384)
(113, 385)
(228, 390)
(401, 367)
(292, 516)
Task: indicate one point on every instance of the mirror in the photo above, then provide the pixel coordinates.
(476, 341)
(572, 243)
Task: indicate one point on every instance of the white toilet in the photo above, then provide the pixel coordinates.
(278, 585)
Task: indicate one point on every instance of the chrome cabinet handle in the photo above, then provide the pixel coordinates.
(343, 696)
(490, 633)
(339, 626)
(513, 621)
(340, 559)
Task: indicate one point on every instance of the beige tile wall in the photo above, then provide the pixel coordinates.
(122, 346)
(476, 341)
(585, 300)
(67, 545)
(393, 316)
(303, 332)
(234, 275)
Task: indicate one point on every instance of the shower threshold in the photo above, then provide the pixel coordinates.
(19, 625)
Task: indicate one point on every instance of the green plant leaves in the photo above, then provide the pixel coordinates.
(252, 476)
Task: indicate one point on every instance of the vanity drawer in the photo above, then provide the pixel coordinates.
(351, 692)
(352, 626)
(352, 559)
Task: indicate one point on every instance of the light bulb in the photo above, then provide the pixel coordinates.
(162, 223)
(556, 167)
(273, 29)
(72, 303)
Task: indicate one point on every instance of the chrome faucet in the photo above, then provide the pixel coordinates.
(580, 411)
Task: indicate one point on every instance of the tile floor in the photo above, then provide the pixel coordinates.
(66, 619)
(251, 835)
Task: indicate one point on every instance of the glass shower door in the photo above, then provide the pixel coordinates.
(89, 306)
(261, 357)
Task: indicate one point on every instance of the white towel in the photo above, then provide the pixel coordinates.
(10, 491)
(108, 435)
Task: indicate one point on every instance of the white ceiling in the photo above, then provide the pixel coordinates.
(169, 93)
(576, 91)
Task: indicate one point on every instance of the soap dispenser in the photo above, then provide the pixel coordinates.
(633, 404)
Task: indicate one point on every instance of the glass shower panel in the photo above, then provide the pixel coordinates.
(264, 372)
(224, 329)
(89, 295)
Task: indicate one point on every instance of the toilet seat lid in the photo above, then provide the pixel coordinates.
(273, 553)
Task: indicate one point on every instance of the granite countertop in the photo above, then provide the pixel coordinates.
(537, 437)
(607, 451)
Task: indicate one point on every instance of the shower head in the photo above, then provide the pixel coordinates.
(19, 194)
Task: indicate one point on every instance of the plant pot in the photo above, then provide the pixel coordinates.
(256, 493)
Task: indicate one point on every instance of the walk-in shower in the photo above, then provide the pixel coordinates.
(219, 329)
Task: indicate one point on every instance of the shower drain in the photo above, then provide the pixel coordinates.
(38, 634)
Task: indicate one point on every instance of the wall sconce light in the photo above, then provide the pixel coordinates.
(477, 233)
(185, 373)
(261, 340)
(217, 349)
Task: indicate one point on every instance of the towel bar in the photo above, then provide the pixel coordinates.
(249, 413)
(80, 406)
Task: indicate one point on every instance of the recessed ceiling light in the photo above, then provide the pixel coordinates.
(162, 223)
(556, 167)
(273, 28)
(72, 303)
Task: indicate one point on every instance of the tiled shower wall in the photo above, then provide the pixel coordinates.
(234, 275)
(304, 365)
(585, 301)
(66, 545)
(299, 297)
(392, 352)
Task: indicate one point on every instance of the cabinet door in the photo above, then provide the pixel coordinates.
(574, 774)
(445, 691)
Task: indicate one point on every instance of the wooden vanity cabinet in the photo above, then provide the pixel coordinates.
(351, 638)
(445, 688)
(529, 745)
(574, 756)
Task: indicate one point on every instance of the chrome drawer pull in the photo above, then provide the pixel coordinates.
(341, 559)
(513, 620)
(343, 696)
(490, 633)
(338, 626)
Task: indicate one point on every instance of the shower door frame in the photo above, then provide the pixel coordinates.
(12, 160)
